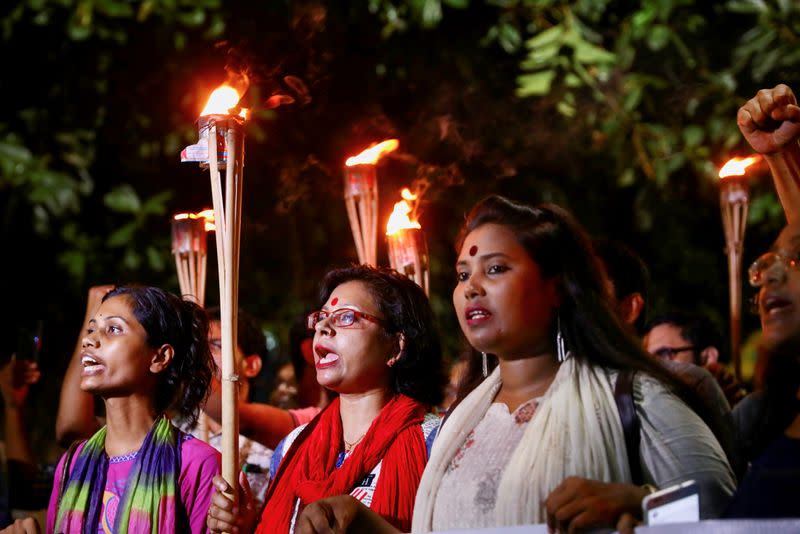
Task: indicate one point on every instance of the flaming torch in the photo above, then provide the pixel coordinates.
(189, 249)
(734, 199)
(361, 198)
(221, 147)
(408, 252)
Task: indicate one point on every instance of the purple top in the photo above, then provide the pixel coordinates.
(199, 463)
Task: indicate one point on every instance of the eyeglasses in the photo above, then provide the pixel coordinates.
(669, 353)
(758, 271)
(341, 318)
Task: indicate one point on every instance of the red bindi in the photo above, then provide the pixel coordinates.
(473, 250)
(334, 301)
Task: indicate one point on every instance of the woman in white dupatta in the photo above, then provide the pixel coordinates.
(537, 435)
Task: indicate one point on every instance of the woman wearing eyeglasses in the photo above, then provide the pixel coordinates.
(536, 435)
(376, 346)
(768, 421)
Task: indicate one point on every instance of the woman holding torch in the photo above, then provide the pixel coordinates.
(145, 351)
(376, 346)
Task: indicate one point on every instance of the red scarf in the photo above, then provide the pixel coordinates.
(308, 470)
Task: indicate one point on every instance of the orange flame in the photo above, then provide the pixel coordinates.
(737, 166)
(207, 214)
(407, 194)
(371, 155)
(221, 101)
(399, 219)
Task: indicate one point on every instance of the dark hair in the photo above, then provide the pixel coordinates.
(591, 328)
(627, 272)
(696, 329)
(182, 324)
(298, 333)
(250, 339)
(419, 372)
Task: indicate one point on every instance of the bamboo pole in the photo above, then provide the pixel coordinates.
(230, 216)
(355, 227)
(734, 202)
(189, 251)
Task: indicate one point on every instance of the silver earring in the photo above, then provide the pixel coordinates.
(485, 365)
(563, 353)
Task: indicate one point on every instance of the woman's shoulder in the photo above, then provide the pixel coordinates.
(283, 446)
(430, 426)
(290, 438)
(197, 451)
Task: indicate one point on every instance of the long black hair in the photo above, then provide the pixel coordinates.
(419, 372)
(591, 328)
(167, 319)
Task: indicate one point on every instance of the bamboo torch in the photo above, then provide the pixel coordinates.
(221, 147)
(189, 232)
(408, 252)
(361, 199)
(734, 199)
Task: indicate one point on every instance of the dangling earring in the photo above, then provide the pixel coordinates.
(563, 353)
(485, 365)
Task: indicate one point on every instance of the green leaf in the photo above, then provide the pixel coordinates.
(15, 152)
(765, 63)
(122, 235)
(509, 38)
(566, 107)
(156, 204)
(693, 135)
(114, 8)
(548, 37)
(541, 56)
(535, 84)
(589, 54)
(74, 261)
(633, 98)
(658, 37)
(748, 7)
(641, 20)
(155, 258)
(627, 178)
(572, 80)
(193, 19)
(131, 260)
(122, 199)
(457, 4)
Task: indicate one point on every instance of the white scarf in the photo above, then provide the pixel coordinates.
(576, 432)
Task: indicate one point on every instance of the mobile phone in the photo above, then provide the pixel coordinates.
(675, 504)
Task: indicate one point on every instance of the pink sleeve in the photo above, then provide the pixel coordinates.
(52, 507)
(199, 463)
(301, 416)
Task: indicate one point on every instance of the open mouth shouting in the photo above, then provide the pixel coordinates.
(476, 315)
(325, 357)
(773, 304)
(91, 365)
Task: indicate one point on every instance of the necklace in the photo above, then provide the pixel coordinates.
(348, 446)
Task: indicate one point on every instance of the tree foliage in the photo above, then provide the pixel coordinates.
(620, 110)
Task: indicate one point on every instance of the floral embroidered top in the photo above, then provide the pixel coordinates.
(468, 492)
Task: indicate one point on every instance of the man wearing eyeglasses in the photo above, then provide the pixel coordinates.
(629, 280)
(690, 338)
